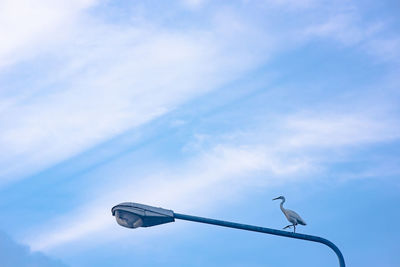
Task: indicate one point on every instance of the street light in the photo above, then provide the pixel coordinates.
(134, 215)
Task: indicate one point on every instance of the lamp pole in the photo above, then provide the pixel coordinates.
(265, 231)
(133, 215)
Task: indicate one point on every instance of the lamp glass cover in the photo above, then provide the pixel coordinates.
(128, 219)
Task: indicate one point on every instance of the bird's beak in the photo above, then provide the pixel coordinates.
(276, 198)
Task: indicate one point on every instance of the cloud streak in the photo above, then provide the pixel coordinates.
(30, 25)
(244, 161)
(173, 187)
(131, 74)
(104, 78)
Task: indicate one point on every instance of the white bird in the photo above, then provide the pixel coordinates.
(291, 216)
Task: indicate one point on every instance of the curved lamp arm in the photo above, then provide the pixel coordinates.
(265, 231)
(134, 215)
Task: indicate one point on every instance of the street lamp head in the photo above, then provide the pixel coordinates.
(134, 215)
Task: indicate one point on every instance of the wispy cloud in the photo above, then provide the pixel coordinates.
(194, 4)
(108, 77)
(332, 130)
(131, 74)
(292, 4)
(349, 28)
(183, 187)
(30, 26)
(254, 159)
(346, 28)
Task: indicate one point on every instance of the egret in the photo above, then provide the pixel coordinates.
(291, 216)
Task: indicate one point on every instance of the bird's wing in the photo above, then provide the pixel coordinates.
(293, 215)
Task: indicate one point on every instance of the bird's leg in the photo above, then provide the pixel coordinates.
(294, 228)
(288, 226)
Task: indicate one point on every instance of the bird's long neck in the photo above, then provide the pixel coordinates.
(282, 208)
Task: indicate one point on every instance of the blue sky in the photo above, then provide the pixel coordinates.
(210, 108)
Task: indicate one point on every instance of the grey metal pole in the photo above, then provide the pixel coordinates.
(265, 231)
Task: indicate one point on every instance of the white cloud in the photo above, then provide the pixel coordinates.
(194, 4)
(332, 130)
(292, 4)
(26, 25)
(184, 187)
(253, 159)
(343, 28)
(113, 78)
(280, 159)
(349, 29)
(116, 77)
